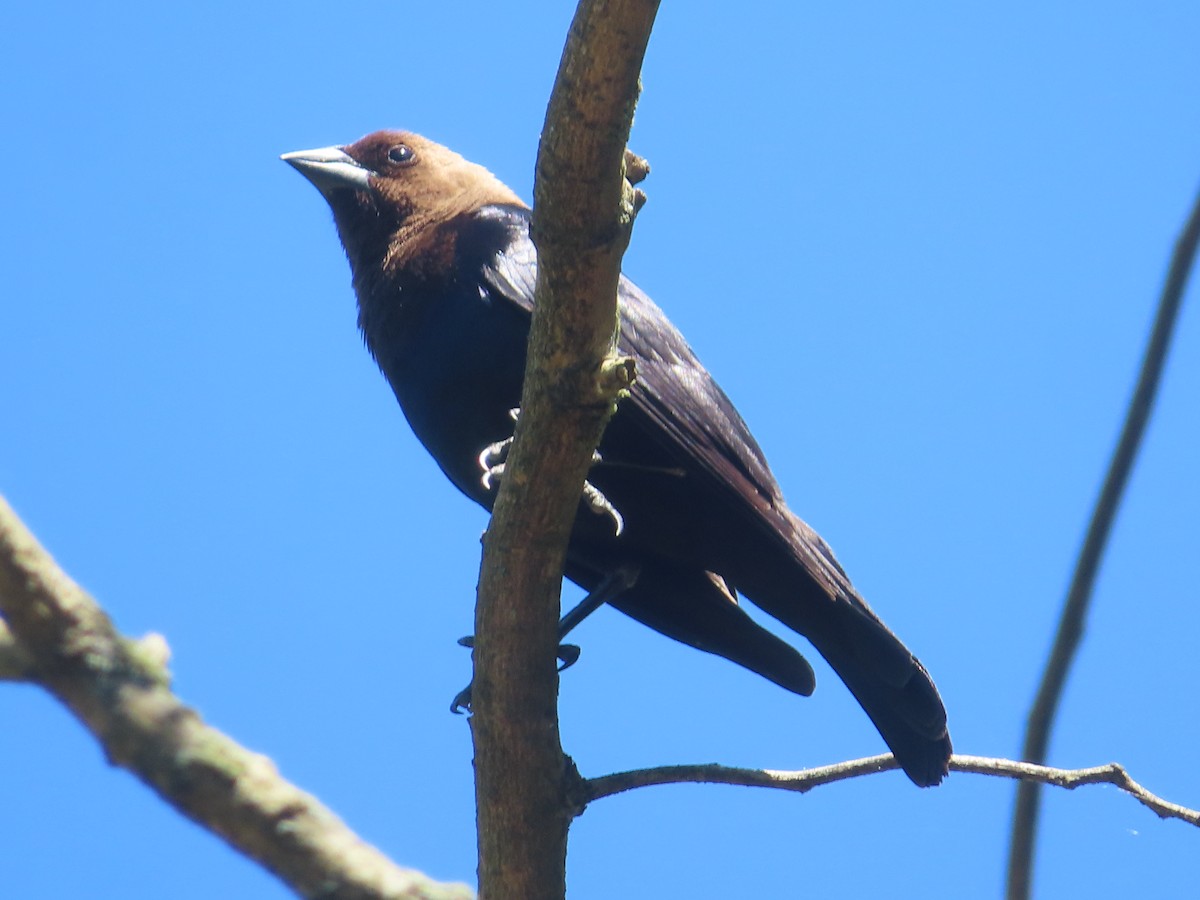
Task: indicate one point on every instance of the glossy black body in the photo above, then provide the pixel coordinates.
(704, 518)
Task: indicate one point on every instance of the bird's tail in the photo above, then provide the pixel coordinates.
(889, 682)
(892, 687)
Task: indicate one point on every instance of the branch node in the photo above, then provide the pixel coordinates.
(615, 378)
(636, 167)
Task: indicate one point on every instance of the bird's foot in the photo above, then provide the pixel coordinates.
(461, 704)
(568, 655)
(600, 505)
(493, 458)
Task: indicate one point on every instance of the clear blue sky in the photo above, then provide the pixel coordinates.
(918, 246)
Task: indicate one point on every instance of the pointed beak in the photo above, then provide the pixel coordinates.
(329, 169)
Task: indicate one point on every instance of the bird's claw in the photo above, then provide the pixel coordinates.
(492, 461)
(494, 457)
(568, 655)
(461, 703)
(600, 505)
(462, 700)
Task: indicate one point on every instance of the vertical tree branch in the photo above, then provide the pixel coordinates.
(583, 212)
(1070, 628)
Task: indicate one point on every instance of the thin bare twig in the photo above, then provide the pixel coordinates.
(1070, 628)
(806, 779)
(119, 690)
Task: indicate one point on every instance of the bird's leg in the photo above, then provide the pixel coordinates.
(494, 457)
(613, 585)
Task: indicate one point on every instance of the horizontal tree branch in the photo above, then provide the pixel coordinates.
(805, 780)
(58, 637)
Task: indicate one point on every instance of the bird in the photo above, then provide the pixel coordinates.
(681, 516)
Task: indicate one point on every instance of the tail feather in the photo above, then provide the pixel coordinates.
(807, 590)
(892, 687)
(698, 609)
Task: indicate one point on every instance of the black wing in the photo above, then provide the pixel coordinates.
(676, 398)
(676, 403)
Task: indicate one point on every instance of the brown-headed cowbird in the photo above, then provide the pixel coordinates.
(444, 271)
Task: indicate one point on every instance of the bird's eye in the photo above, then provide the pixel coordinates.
(401, 154)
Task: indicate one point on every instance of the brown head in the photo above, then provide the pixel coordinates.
(392, 193)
